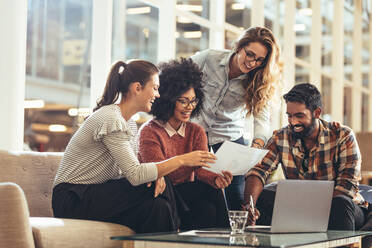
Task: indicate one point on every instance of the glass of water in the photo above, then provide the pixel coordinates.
(237, 219)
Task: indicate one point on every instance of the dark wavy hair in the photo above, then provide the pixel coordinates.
(177, 77)
(305, 93)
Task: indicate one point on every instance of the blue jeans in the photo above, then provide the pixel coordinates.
(234, 193)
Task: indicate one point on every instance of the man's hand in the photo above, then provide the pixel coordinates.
(253, 214)
(224, 180)
(159, 186)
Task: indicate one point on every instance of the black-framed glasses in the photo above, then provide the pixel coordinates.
(185, 102)
(250, 56)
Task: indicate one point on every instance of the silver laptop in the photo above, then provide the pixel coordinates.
(300, 206)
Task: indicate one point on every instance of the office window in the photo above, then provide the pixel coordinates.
(274, 17)
(238, 13)
(348, 41)
(327, 17)
(302, 28)
(366, 56)
(135, 31)
(302, 75)
(364, 112)
(347, 105)
(326, 90)
(230, 38)
(190, 38)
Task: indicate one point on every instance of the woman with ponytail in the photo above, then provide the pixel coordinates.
(100, 177)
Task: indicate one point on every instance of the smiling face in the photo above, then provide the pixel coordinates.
(301, 120)
(250, 57)
(185, 104)
(149, 92)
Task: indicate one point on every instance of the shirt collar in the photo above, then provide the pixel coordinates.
(170, 130)
(225, 62)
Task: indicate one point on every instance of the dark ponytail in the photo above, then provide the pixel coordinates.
(121, 76)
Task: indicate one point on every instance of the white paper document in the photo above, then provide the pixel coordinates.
(236, 158)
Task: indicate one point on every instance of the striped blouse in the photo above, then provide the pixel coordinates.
(104, 148)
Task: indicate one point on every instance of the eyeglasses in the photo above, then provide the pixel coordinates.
(250, 56)
(185, 102)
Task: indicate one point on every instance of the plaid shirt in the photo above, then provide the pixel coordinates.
(335, 157)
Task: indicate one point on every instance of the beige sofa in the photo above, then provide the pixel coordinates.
(34, 173)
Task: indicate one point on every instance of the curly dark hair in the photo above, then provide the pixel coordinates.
(305, 93)
(176, 78)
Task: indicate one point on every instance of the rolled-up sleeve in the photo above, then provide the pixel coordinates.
(268, 164)
(349, 165)
(262, 124)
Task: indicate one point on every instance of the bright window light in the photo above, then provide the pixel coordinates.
(138, 11)
(305, 11)
(189, 7)
(177, 35)
(34, 104)
(299, 27)
(57, 128)
(81, 111)
(192, 34)
(237, 6)
(181, 19)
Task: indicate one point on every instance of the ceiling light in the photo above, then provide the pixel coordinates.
(299, 27)
(189, 7)
(192, 34)
(57, 128)
(181, 19)
(81, 111)
(237, 6)
(138, 11)
(34, 104)
(305, 11)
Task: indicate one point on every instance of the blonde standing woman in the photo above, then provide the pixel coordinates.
(237, 84)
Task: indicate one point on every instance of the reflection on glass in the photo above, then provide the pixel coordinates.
(347, 106)
(302, 75)
(365, 109)
(302, 28)
(198, 7)
(190, 38)
(327, 17)
(238, 13)
(135, 34)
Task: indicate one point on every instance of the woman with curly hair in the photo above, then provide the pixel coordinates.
(237, 84)
(171, 133)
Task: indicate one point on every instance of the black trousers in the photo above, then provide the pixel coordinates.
(206, 206)
(235, 191)
(345, 214)
(117, 201)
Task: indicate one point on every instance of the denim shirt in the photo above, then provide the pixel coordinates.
(223, 113)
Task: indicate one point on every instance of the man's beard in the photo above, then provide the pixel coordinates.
(306, 132)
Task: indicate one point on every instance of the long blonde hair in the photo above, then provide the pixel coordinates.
(261, 82)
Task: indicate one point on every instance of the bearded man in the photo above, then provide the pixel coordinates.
(310, 148)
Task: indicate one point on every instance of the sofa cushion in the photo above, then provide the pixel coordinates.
(34, 172)
(56, 232)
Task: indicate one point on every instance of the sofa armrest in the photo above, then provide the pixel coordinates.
(15, 229)
(71, 233)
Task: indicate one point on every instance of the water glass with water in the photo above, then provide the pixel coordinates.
(237, 219)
